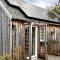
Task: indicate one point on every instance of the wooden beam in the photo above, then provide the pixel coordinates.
(46, 42)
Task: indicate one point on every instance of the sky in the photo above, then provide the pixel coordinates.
(43, 3)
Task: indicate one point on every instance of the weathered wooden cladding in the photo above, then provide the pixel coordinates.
(20, 32)
(4, 33)
(1, 44)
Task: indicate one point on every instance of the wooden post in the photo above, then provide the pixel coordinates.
(38, 41)
(17, 35)
(30, 40)
(46, 42)
(10, 37)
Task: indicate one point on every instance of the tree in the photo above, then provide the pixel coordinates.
(55, 11)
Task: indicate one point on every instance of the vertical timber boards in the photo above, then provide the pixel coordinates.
(20, 33)
(1, 44)
(5, 33)
(22, 36)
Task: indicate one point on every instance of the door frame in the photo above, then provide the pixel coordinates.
(36, 32)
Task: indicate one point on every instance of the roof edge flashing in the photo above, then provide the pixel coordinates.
(5, 10)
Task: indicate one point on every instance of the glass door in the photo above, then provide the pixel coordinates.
(34, 42)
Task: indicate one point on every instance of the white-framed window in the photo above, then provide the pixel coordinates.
(27, 40)
(42, 33)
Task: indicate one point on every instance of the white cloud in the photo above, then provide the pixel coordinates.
(43, 3)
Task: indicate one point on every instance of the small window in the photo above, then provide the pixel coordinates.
(42, 34)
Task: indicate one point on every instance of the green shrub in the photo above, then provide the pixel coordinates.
(18, 54)
(6, 57)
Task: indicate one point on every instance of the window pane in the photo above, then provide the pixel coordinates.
(27, 41)
(33, 40)
(42, 33)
